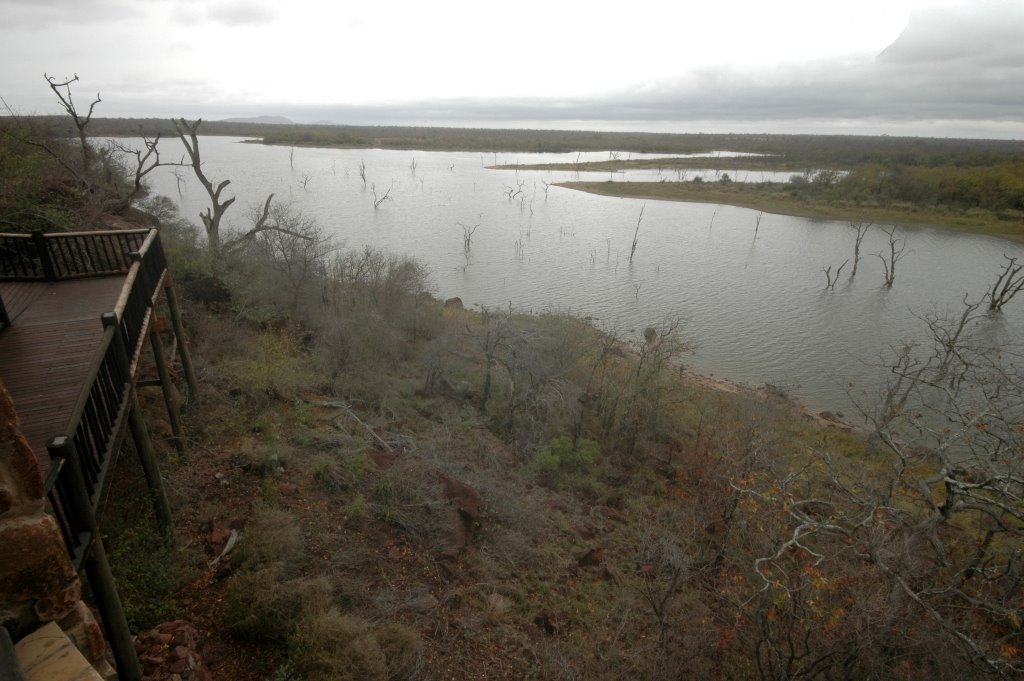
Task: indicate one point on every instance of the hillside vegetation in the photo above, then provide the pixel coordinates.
(427, 492)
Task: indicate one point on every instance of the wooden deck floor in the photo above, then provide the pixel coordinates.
(46, 353)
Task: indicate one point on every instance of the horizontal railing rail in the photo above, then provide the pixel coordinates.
(19, 257)
(68, 255)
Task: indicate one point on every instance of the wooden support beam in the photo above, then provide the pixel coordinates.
(140, 435)
(147, 457)
(165, 388)
(179, 332)
(97, 568)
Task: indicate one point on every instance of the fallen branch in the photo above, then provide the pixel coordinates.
(347, 410)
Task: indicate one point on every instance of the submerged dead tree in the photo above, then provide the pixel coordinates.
(830, 281)
(1008, 284)
(897, 250)
(636, 234)
(861, 229)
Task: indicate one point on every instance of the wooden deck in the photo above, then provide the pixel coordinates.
(46, 354)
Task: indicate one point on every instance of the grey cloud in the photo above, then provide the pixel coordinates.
(33, 13)
(965, 64)
(240, 13)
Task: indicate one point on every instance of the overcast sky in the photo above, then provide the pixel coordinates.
(919, 67)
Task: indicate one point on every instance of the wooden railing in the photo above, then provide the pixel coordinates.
(94, 427)
(96, 424)
(69, 255)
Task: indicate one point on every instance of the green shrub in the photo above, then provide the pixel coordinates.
(149, 571)
(401, 496)
(356, 509)
(559, 456)
(339, 472)
(267, 458)
(403, 651)
(271, 536)
(260, 606)
(336, 647)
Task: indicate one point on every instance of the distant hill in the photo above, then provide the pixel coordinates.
(266, 120)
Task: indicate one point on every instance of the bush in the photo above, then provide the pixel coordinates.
(560, 456)
(266, 458)
(272, 536)
(401, 497)
(403, 651)
(336, 647)
(261, 607)
(149, 571)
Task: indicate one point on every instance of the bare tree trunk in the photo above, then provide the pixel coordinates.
(211, 218)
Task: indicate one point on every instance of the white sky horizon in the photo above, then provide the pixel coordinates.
(910, 67)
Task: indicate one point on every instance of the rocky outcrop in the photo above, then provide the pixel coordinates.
(173, 651)
(467, 504)
(37, 581)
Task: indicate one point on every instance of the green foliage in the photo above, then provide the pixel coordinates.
(267, 458)
(560, 455)
(270, 365)
(148, 571)
(333, 646)
(264, 607)
(271, 536)
(336, 647)
(403, 651)
(401, 496)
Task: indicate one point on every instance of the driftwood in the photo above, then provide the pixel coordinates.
(230, 544)
(346, 410)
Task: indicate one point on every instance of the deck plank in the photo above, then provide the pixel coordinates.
(46, 353)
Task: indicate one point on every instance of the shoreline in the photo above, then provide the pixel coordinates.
(777, 206)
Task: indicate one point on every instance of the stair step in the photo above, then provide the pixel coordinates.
(48, 654)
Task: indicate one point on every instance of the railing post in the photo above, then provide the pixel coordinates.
(140, 435)
(43, 248)
(97, 569)
(5, 321)
(179, 332)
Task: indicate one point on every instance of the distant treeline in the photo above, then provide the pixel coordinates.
(998, 187)
(811, 150)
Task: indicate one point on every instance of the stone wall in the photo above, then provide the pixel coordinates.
(38, 582)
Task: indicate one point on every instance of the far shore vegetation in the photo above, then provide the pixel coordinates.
(784, 199)
(965, 184)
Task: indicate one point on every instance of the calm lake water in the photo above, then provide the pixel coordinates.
(756, 309)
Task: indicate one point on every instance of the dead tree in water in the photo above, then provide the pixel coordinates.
(1008, 284)
(861, 229)
(830, 281)
(636, 233)
(377, 200)
(467, 235)
(897, 249)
